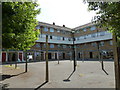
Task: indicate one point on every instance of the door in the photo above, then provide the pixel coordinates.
(91, 55)
(63, 55)
(20, 56)
(49, 56)
(79, 55)
(56, 56)
(3, 57)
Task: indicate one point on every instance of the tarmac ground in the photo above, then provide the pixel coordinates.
(88, 74)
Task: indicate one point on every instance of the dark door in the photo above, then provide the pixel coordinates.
(20, 56)
(63, 55)
(3, 57)
(49, 56)
(56, 56)
(91, 55)
(13, 57)
(79, 55)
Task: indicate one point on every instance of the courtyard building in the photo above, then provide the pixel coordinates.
(88, 41)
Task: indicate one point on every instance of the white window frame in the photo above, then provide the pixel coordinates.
(51, 29)
(45, 29)
(93, 28)
(51, 45)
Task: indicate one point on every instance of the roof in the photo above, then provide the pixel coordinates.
(84, 26)
(54, 26)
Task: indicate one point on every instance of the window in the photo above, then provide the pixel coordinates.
(37, 27)
(50, 37)
(85, 45)
(102, 33)
(45, 29)
(51, 30)
(63, 38)
(51, 45)
(84, 29)
(40, 35)
(93, 35)
(43, 36)
(84, 37)
(77, 46)
(77, 31)
(69, 46)
(67, 32)
(37, 45)
(77, 38)
(58, 30)
(63, 32)
(58, 38)
(88, 36)
(111, 43)
(66, 38)
(44, 45)
(94, 44)
(69, 39)
(101, 43)
(92, 28)
(74, 39)
(58, 46)
(64, 46)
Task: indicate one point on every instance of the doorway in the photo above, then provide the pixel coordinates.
(3, 57)
(91, 55)
(79, 55)
(49, 56)
(56, 56)
(63, 55)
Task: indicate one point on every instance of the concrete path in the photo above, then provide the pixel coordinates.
(88, 75)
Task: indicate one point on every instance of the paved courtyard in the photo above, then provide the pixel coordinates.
(87, 75)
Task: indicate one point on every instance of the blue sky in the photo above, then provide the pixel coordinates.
(71, 13)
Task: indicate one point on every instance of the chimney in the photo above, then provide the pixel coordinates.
(53, 23)
(63, 25)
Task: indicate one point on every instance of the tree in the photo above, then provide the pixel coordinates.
(18, 25)
(108, 15)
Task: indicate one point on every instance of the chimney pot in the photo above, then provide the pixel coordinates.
(63, 25)
(53, 23)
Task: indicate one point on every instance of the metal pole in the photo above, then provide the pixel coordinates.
(58, 57)
(58, 53)
(74, 52)
(116, 63)
(26, 64)
(47, 72)
(99, 55)
(16, 58)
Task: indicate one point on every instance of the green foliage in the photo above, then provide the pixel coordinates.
(108, 15)
(18, 25)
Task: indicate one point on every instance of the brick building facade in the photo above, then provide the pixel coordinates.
(89, 42)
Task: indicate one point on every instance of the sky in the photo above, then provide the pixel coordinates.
(71, 13)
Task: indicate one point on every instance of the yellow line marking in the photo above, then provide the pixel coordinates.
(81, 75)
(13, 66)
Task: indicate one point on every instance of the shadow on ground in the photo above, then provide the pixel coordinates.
(41, 85)
(5, 76)
(68, 79)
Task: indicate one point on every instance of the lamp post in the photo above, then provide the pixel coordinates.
(74, 50)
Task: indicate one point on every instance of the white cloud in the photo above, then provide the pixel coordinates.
(72, 13)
